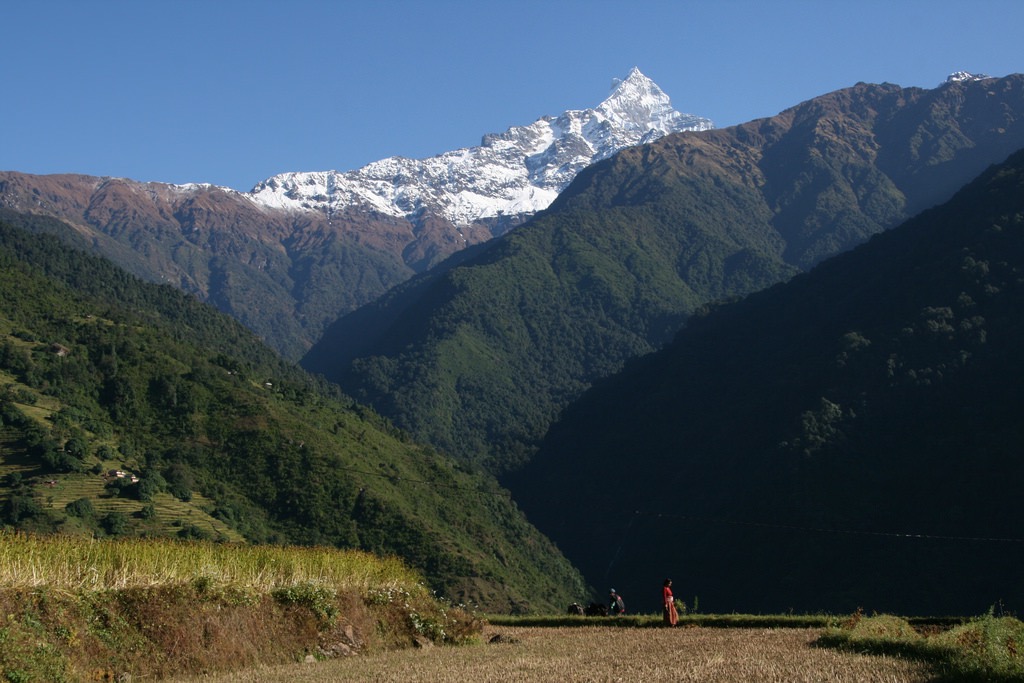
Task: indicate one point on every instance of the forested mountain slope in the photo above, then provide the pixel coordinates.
(282, 274)
(848, 439)
(478, 357)
(131, 409)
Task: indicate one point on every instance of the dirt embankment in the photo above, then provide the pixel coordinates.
(156, 633)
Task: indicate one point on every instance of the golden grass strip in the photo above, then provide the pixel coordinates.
(73, 563)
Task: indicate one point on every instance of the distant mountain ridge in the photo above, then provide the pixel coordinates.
(478, 358)
(303, 248)
(509, 176)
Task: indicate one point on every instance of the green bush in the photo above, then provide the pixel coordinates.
(115, 523)
(984, 649)
(989, 648)
(80, 508)
(317, 598)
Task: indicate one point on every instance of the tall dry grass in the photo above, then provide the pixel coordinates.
(74, 564)
(646, 655)
(76, 609)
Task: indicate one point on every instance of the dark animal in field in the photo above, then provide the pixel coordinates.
(576, 608)
(596, 610)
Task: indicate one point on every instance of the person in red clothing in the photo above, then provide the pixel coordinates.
(670, 616)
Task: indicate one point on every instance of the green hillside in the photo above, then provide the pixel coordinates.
(284, 275)
(849, 439)
(216, 437)
(478, 357)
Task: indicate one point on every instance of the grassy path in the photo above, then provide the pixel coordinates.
(643, 655)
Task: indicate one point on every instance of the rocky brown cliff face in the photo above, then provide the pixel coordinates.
(284, 273)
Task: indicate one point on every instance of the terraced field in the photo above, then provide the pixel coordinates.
(55, 491)
(571, 654)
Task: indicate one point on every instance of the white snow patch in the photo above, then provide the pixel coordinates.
(519, 171)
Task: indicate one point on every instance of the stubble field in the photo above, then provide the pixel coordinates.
(569, 654)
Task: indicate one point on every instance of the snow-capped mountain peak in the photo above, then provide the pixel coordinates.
(958, 76)
(638, 103)
(509, 175)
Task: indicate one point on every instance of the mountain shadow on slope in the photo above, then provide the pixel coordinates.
(480, 358)
(848, 439)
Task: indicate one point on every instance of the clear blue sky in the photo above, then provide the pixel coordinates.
(232, 92)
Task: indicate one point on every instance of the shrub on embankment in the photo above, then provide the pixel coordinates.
(86, 610)
(989, 648)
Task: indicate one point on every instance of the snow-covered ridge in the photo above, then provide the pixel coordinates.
(517, 172)
(958, 76)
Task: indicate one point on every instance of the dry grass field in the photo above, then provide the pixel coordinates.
(643, 655)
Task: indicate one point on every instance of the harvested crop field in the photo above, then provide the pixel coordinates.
(568, 654)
